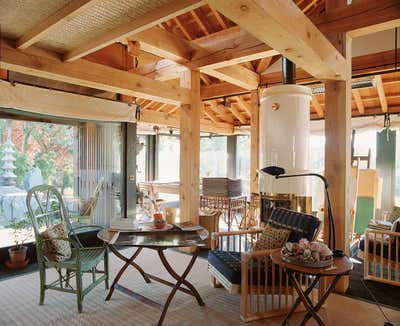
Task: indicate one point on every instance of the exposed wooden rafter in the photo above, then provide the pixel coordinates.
(359, 101)
(237, 113)
(381, 93)
(317, 106)
(360, 18)
(167, 45)
(283, 26)
(37, 62)
(246, 106)
(137, 25)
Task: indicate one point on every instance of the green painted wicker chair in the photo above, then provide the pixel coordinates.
(46, 208)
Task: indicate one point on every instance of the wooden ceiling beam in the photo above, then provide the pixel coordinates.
(246, 106)
(233, 56)
(284, 27)
(361, 65)
(360, 18)
(210, 114)
(237, 75)
(63, 104)
(233, 108)
(317, 106)
(359, 101)
(62, 16)
(220, 90)
(40, 63)
(153, 18)
(381, 92)
(263, 64)
(165, 44)
(173, 120)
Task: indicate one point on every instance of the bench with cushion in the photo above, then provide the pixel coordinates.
(235, 266)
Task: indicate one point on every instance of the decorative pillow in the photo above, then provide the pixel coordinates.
(56, 250)
(271, 238)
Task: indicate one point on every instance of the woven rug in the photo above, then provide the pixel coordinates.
(19, 301)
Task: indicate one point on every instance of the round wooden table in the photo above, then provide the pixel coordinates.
(340, 266)
(158, 241)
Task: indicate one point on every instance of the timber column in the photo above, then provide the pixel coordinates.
(254, 140)
(189, 167)
(338, 150)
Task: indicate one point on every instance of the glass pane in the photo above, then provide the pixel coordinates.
(317, 165)
(213, 157)
(243, 162)
(32, 153)
(99, 164)
(168, 158)
(141, 158)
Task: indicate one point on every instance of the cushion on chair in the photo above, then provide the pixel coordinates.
(56, 250)
(396, 225)
(229, 265)
(302, 225)
(271, 238)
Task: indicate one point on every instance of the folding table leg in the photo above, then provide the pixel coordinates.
(181, 279)
(128, 262)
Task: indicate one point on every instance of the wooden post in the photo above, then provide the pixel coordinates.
(337, 150)
(189, 195)
(254, 141)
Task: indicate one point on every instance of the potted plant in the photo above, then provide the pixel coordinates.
(18, 253)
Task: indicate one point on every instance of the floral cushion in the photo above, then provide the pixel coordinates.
(56, 250)
(271, 238)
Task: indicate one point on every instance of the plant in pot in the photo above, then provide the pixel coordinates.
(18, 253)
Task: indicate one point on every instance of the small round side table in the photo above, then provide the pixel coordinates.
(341, 266)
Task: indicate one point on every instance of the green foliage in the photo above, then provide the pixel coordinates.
(46, 163)
(22, 230)
(46, 146)
(21, 167)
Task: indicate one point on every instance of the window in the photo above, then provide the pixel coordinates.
(168, 158)
(317, 165)
(141, 155)
(243, 162)
(213, 157)
(32, 153)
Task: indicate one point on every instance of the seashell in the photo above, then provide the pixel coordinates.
(315, 256)
(304, 243)
(326, 252)
(289, 246)
(307, 253)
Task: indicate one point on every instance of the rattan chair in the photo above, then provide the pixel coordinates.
(263, 286)
(46, 208)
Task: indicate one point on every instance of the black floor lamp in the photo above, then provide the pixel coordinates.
(279, 173)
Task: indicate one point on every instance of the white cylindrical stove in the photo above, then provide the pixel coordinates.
(284, 137)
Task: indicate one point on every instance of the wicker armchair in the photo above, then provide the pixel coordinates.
(46, 208)
(263, 286)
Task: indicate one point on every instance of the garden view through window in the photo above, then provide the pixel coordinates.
(31, 153)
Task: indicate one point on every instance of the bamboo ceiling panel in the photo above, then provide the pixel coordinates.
(17, 17)
(96, 21)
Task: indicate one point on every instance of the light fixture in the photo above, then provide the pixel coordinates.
(279, 173)
(226, 103)
(365, 83)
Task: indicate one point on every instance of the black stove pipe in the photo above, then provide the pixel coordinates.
(288, 71)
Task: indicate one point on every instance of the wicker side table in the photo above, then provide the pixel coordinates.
(210, 221)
